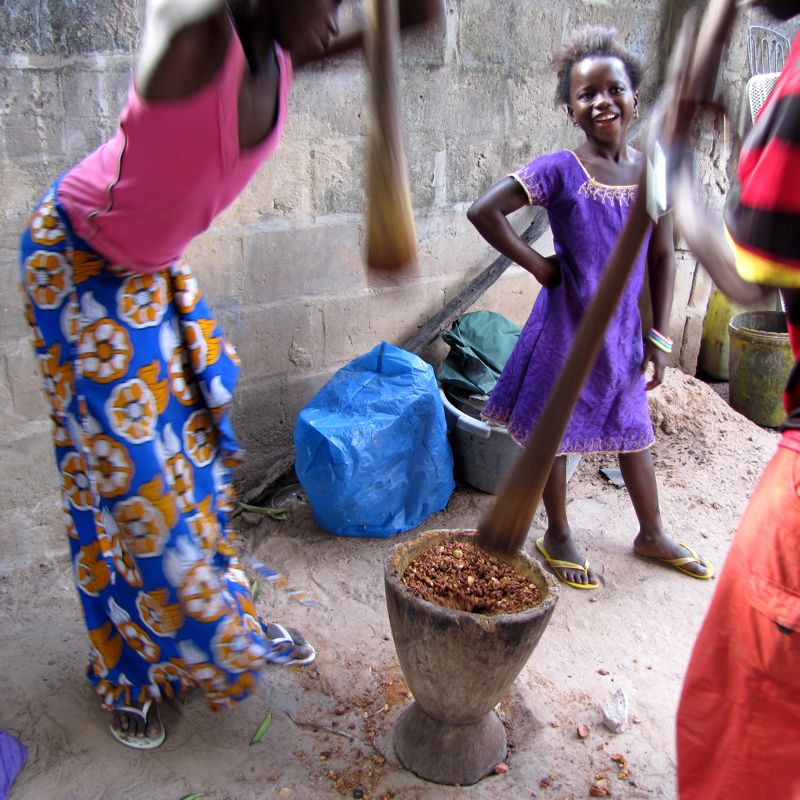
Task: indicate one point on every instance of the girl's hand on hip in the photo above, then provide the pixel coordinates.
(547, 271)
(658, 358)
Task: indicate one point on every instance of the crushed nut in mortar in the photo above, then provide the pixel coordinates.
(463, 576)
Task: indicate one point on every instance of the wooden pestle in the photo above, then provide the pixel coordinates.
(505, 526)
(391, 240)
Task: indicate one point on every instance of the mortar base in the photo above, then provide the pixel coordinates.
(457, 755)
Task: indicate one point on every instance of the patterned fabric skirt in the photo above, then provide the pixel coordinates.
(138, 377)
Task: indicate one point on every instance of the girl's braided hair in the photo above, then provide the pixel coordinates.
(592, 40)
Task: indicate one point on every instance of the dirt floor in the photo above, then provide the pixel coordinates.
(331, 732)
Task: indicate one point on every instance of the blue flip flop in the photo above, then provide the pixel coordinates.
(279, 653)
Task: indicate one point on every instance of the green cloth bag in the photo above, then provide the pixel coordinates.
(480, 344)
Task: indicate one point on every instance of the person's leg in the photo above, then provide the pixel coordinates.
(558, 540)
(652, 540)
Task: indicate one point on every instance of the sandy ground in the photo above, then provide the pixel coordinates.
(332, 722)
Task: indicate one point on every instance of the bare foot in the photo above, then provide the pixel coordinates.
(561, 546)
(660, 546)
(138, 726)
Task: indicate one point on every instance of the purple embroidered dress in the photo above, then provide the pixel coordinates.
(586, 218)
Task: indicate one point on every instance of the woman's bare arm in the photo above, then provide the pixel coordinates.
(412, 14)
(163, 20)
(661, 278)
(489, 214)
(706, 239)
(661, 272)
(193, 34)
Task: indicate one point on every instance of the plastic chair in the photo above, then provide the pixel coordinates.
(766, 50)
(758, 89)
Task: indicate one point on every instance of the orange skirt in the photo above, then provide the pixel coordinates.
(738, 724)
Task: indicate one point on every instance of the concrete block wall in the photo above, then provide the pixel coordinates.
(282, 267)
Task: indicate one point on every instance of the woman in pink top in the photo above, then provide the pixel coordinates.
(137, 372)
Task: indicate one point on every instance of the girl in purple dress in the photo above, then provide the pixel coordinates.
(588, 193)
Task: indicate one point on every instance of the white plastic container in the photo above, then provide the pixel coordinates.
(484, 454)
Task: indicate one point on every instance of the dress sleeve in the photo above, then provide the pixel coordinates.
(536, 180)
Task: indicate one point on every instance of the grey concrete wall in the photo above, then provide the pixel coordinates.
(282, 267)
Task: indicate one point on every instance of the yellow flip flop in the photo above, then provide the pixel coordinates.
(556, 564)
(681, 562)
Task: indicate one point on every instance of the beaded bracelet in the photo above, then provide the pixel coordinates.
(659, 340)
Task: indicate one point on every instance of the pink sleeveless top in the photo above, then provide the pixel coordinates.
(170, 169)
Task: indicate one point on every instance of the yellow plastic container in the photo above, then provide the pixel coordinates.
(759, 365)
(712, 360)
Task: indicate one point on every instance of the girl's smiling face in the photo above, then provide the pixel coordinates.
(602, 99)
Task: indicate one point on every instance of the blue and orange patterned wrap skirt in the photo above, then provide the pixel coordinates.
(138, 377)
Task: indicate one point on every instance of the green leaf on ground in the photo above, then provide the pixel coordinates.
(194, 796)
(267, 511)
(256, 590)
(262, 729)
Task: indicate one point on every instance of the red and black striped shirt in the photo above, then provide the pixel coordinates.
(763, 225)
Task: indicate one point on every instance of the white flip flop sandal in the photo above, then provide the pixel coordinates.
(285, 657)
(140, 742)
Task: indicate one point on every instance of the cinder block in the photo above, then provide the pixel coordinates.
(103, 91)
(69, 29)
(273, 336)
(354, 324)
(449, 246)
(33, 112)
(293, 261)
(330, 101)
(216, 259)
(282, 268)
(701, 289)
(462, 105)
(337, 173)
(280, 191)
(21, 188)
(535, 115)
(507, 34)
(513, 295)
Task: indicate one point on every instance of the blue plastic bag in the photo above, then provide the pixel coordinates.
(371, 448)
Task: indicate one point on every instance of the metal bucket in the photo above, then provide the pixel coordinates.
(760, 362)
